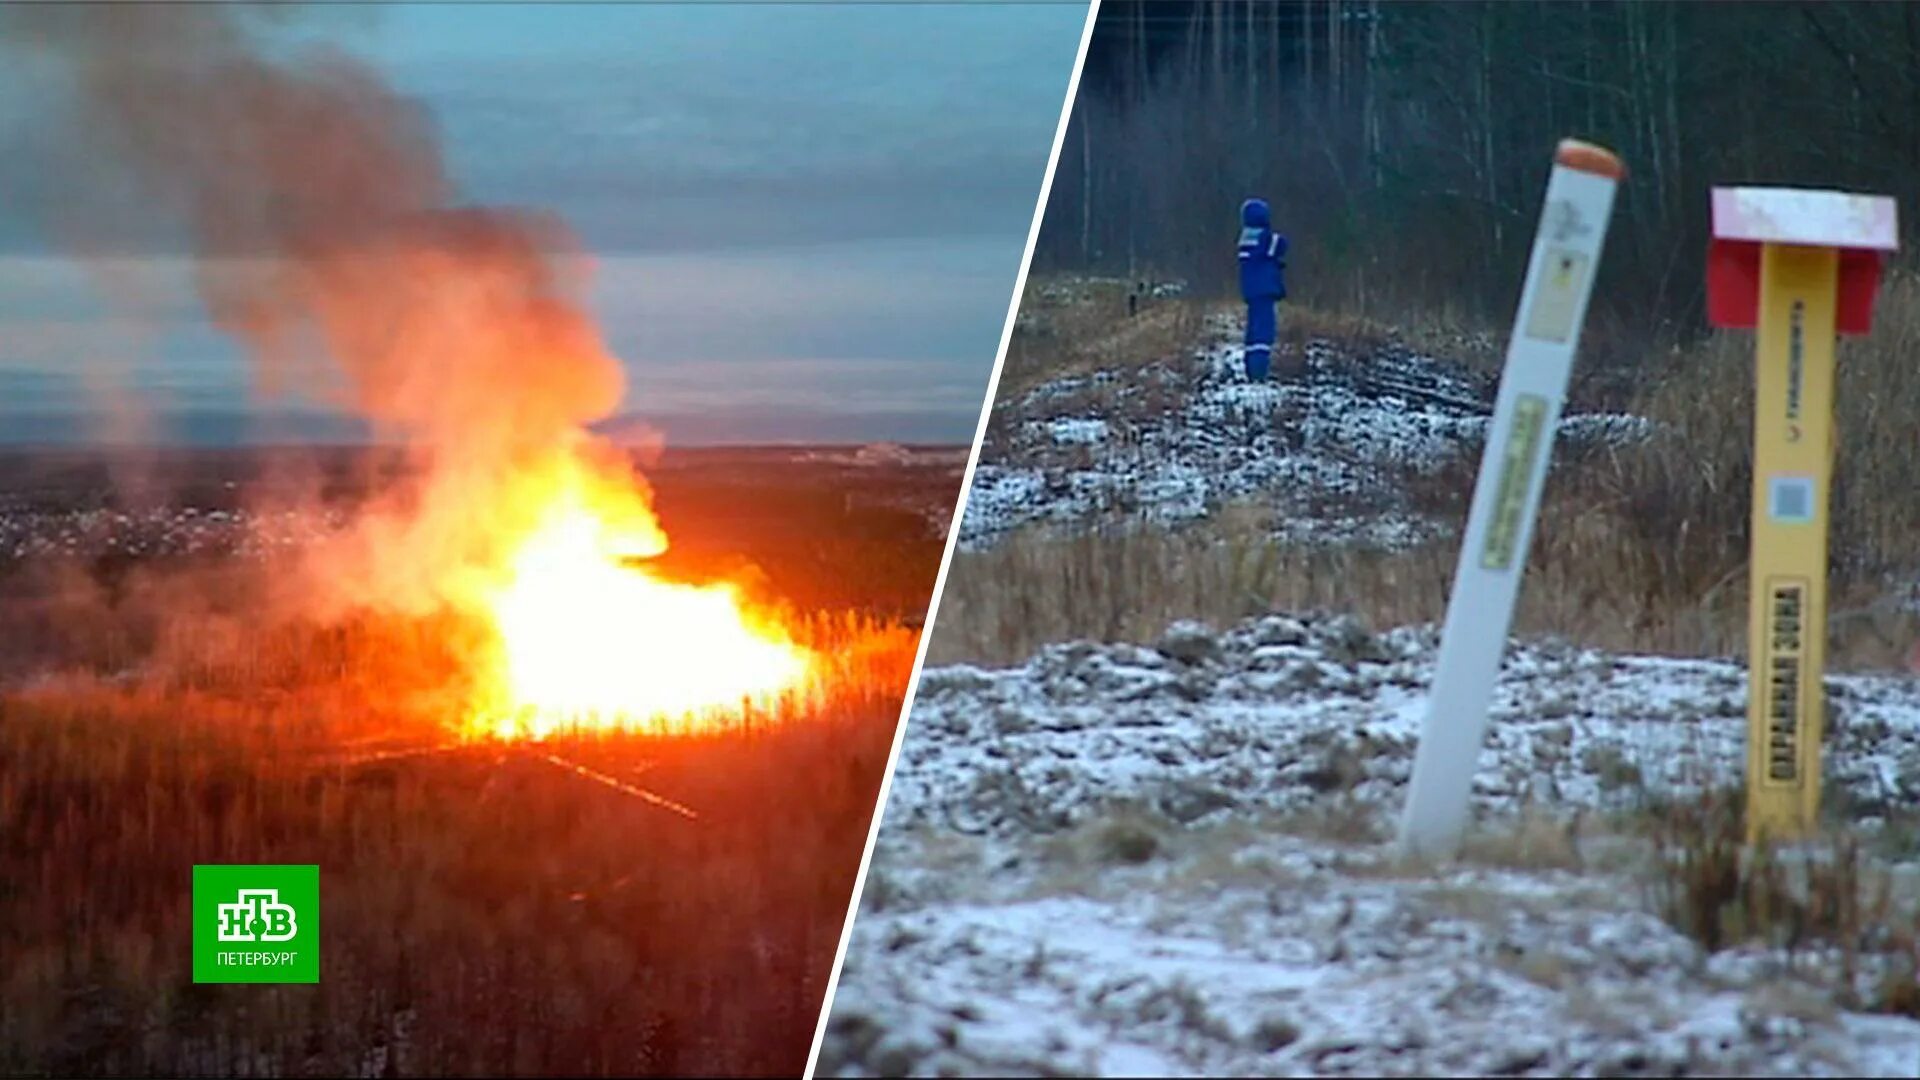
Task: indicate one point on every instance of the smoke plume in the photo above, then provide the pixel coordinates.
(328, 238)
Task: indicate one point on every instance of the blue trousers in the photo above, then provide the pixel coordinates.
(1262, 326)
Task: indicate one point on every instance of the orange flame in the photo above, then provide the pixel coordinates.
(588, 640)
(329, 238)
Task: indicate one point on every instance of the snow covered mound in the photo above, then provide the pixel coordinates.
(1093, 865)
(1306, 961)
(1281, 712)
(1330, 449)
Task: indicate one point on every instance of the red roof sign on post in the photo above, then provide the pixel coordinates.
(1863, 227)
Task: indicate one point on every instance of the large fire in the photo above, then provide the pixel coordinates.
(331, 241)
(589, 637)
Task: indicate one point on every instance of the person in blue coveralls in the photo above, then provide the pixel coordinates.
(1263, 283)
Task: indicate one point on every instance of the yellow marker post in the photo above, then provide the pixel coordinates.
(1799, 266)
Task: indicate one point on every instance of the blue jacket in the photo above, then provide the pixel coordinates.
(1263, 254)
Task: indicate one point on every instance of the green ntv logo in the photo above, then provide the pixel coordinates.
(256, 924)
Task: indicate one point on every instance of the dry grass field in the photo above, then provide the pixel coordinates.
(1642, 547)
(489, 907)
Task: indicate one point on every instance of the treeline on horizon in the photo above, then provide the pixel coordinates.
(1405, 146)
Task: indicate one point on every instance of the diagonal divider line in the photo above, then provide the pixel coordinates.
(953, 534)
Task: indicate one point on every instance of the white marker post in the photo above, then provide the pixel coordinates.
(1486, 582)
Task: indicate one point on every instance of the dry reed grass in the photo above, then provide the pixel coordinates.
(1822, 899)
(487, 911)
(1642, 547)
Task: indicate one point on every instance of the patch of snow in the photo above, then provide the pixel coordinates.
(1323, 974)
(28, 533)
(1168, 443)
(1077, 431)
(1284, 710)
(882, 454)
(987, 946)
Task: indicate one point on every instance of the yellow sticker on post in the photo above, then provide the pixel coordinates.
(1516, 476)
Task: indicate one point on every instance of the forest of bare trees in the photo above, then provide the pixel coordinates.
(1404, 145)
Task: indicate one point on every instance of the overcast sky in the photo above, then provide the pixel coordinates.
(808, 218)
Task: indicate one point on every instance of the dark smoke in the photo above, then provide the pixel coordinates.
(327, 237)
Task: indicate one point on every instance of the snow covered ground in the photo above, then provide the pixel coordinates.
(1168, 442)
(1123, 859)
(27, 534)
(1175, 858)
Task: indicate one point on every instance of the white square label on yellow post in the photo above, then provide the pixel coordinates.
(1557, 302)
(1790, 499)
